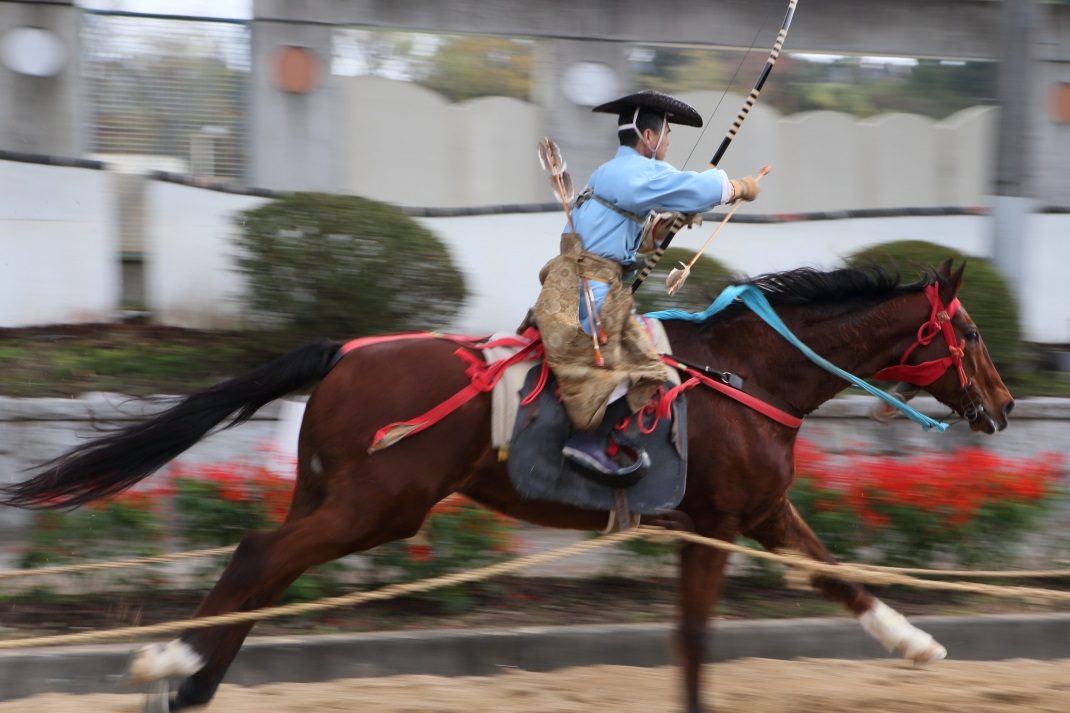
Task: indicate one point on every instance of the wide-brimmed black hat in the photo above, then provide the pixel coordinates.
(676, 111)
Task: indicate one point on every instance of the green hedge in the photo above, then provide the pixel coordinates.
(338, 266)
(985, 293)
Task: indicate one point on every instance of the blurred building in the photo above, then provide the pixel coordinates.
(95, 101)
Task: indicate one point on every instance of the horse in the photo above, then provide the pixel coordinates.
(740, 462)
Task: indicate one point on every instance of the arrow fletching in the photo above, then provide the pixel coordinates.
(676, 278)
(550, 158)
(563, 187)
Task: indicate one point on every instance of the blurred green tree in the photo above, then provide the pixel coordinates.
(985, 293)
(318, 264)
(466, 67)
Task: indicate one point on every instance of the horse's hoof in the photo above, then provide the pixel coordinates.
(158, 697)
(156, 661)
(933, 653)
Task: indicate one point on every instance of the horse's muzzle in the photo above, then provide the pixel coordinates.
(982, 420)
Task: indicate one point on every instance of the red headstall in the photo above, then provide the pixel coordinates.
(926, 373)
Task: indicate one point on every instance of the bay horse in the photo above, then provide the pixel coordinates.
(740, 466)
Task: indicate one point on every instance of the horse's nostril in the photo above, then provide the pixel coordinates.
(1008, 408)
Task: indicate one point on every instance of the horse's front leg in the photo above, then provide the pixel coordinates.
(784, 529)
(701, 583)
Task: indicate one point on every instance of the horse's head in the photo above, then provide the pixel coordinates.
(950, 361)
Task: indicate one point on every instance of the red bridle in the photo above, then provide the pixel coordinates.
(928, 372)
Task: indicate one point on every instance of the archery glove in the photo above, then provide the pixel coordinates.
(745, 188)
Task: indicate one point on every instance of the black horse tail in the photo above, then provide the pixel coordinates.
(115, 462)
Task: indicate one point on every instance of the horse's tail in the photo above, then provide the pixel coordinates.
(110, 464)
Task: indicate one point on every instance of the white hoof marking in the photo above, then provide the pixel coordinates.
(156, 661)
(898, 635)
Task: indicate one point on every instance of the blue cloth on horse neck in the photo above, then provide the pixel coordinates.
(756, 301)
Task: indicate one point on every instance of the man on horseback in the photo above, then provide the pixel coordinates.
(605, 362)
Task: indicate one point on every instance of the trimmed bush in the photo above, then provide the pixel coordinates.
(985, 293)
(706, 280)
(322, 265)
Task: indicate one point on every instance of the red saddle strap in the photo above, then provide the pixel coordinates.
(482, 376)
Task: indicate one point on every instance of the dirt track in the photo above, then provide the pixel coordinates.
(747, 686)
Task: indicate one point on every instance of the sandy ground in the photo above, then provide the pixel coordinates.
(746, 686)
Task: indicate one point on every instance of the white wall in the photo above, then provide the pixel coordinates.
(501, 256)
(189, 275)
(58, 245)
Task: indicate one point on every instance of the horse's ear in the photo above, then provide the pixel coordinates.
(953, 279)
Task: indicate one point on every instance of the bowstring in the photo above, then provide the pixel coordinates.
(731, 81)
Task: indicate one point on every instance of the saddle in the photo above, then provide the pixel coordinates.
(539, 471)
(530, 426)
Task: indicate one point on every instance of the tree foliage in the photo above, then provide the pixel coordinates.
(343, 266)
(852, 85)
(471, 66)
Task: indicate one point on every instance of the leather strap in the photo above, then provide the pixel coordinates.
(738, 388)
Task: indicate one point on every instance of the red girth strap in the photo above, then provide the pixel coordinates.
(927, 372)
(483, 377)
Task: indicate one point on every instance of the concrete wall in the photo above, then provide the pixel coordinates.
(918, 28)
(435, 154)
(58, 245)
(39, 113)
(294, 136)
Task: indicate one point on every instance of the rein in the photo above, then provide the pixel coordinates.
(484, 376)
(753, 298)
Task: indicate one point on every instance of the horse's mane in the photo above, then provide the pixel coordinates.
(829, 288)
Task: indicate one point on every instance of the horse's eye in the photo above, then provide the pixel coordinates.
(972, 336)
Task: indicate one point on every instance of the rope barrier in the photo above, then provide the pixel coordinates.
(865, 574)
(117, 564)
(389, 592)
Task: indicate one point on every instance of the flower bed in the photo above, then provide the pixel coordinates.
(207, 506)
(963, 508)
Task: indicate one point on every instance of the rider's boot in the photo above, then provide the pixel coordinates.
(588, 450)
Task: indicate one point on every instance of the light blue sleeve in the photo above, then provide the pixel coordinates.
(666, 188)
(639, 185)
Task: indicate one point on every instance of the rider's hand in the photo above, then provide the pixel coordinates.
(745, 188)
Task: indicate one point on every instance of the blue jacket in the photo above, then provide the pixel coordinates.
(638, 185)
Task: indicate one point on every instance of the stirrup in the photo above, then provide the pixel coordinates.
(622, 477)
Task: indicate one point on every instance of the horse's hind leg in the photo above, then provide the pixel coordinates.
(262, 567)
(784, 529)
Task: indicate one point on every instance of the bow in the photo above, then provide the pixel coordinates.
(678, 224)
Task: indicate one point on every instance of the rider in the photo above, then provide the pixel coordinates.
(605, 362)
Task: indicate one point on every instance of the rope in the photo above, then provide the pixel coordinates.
(388, 592)
(995, 573)
(117, 564)
(866, 574)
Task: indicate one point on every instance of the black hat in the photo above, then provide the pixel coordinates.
(676, 111)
